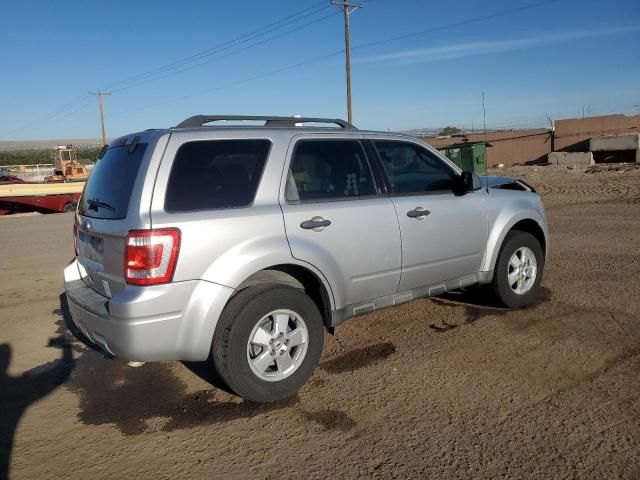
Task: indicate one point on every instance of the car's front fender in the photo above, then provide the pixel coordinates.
(507, 216)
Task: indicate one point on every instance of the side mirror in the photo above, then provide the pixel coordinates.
(470, 182)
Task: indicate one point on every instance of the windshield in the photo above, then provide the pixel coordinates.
(108, 189)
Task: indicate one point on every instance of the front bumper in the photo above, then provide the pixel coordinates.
(173, 321)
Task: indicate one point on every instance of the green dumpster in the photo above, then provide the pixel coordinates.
(469, 156)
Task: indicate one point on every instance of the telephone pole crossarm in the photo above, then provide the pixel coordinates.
(347, 8)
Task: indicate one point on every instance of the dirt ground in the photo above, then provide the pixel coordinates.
(449, 387)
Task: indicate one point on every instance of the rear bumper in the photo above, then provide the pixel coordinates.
(174, 321)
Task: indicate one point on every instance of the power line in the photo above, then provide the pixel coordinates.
(233, 84)
(361, 46)
(53, 113)
(453, 25)
(331, 54)
(247, 47)
(69, 110)
(69, 107)
(274, 26)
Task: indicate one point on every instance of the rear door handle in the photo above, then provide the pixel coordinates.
(316, 224)
(418, 213)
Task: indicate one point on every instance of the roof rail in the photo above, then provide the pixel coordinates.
(200, 120)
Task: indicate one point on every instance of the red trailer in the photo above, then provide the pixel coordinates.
(63, 202)
(39, 203)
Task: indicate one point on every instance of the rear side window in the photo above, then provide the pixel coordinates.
(208, 175)
(328, 170)
(108, 189)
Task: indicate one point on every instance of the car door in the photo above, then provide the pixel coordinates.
(337, 220)
(444, 234)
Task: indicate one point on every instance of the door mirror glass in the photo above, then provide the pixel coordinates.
(469, 182)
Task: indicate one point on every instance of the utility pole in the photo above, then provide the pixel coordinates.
(347, 8)
(100, 95)
(484, 119)
(552, 133)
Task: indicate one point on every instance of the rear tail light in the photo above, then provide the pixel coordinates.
(150, 256)
(75, 240)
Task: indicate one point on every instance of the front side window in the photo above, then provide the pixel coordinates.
(413, 169)
(328, 170)
(215, 174)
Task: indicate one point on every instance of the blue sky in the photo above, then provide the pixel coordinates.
(556, 58)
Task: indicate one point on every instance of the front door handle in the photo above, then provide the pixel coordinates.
(317, 224)
(418, 213)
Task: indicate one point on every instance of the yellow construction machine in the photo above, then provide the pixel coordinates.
(66, 167)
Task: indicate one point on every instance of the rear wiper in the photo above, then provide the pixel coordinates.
(95, 203)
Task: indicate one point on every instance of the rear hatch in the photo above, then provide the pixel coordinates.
(103, 209)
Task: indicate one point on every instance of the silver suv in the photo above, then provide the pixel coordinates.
(243, 243)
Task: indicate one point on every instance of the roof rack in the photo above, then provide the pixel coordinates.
(269, 121)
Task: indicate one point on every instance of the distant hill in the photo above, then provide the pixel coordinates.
(47, 144)
(423, 132)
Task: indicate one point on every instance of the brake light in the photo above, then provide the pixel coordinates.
(75, 240)
(150, 256)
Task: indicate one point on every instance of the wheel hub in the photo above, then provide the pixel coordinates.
(522, 270)
(277, 345)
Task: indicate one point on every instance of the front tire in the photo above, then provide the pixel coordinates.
(518, 270)
(268, 342)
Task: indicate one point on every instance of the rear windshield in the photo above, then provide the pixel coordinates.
(215, 174)
(108, 189)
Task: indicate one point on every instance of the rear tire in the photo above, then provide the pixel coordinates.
(518, 271)
(69, 207)
(258, 322)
